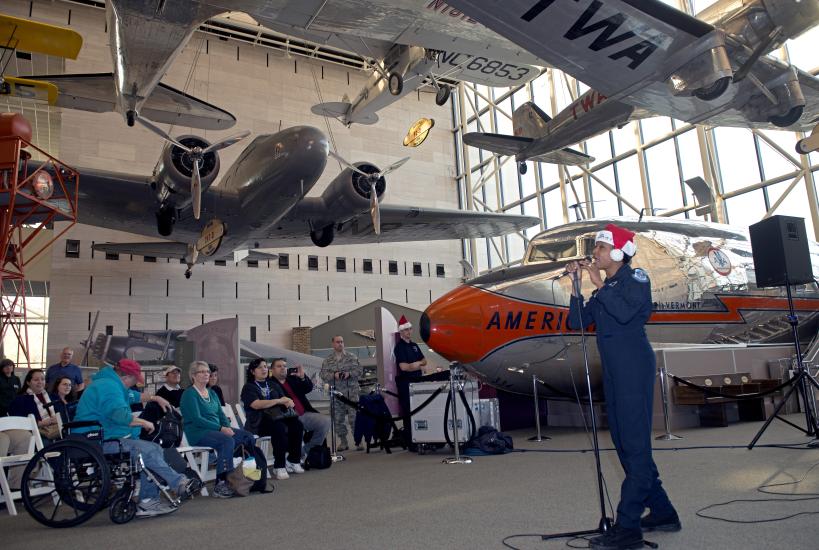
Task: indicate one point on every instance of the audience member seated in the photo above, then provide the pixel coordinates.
(206, 425)
(64, 398)
(171, 390)
(213, 384)
(9, 385)
(66, 368)
(270, 412)
(296, 386)
(33, 399)
(107, 401)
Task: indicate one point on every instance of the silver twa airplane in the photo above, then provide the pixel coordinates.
(646, 58)
(260, 203)
(411, 38)
(514, 321)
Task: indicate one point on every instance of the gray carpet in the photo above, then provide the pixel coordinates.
(414, 502)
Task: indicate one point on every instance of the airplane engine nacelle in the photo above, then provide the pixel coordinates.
(349, 193)
(752, 21)
(790, 102)
(172, 174)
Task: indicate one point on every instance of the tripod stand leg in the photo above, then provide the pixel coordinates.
(775, 414)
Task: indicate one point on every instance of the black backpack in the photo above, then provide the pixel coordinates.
(168, 432)
(318, 458)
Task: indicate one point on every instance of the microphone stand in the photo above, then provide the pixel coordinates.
(538, 437)
(604, 526)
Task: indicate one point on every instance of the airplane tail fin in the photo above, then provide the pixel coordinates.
(530, 121)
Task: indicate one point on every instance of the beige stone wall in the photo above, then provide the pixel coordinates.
(263, 89)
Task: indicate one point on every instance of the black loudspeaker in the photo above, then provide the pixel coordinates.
(780, 247)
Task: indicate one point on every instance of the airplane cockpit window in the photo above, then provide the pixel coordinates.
(552, 251)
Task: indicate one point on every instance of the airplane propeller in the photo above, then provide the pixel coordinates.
(372, 179)
(196, 155)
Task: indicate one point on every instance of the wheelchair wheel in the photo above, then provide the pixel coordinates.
(122, 509)
(66, 483)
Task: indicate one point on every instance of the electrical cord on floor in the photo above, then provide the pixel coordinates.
(791, 446)
(792, 497)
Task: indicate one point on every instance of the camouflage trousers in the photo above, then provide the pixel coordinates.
(345, 415)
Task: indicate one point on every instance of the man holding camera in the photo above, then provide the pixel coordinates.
(296, 386)
(343, 370)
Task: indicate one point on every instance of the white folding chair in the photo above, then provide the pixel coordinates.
(228, 410)
(261, 442)
(29, 424)
(199, 460)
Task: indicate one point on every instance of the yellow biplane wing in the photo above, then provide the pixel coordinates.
(35, 37)
(26, 88)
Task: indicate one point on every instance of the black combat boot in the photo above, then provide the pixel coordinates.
(669, 523)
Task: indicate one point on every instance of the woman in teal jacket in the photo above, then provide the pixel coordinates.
(206, 425)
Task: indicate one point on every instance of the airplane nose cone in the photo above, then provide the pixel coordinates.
(452, 325)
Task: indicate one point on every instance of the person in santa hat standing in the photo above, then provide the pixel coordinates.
(619, 308)
(411, 363)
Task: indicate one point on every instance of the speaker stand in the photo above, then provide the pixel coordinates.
(802, 383)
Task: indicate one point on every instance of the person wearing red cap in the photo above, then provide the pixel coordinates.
(411, 363)
(107, 401)
(619, 308)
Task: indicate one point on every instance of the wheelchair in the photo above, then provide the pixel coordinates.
(68, 481)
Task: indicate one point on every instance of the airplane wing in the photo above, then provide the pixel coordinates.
(371, 27)
(614, 46)
(95, 93)
(398, 224)
(497, 143)
(512, 145)
(36, 37)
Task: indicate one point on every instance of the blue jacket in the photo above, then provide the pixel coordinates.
(621, 306)
(107, 401)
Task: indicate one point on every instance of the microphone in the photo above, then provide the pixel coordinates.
(566, 271)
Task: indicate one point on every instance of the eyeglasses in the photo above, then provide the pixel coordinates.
(202, 372)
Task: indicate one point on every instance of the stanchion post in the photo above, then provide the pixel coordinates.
(334, 456)
(454, 368)
(538, 436)
(667, 436)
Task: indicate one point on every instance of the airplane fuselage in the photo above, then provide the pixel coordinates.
(512, 324)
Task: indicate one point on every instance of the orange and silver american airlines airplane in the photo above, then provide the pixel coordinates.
(511, 324)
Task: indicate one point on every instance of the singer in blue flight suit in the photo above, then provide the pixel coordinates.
(619, 309)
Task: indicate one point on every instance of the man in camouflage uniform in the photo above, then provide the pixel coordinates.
(343, 370)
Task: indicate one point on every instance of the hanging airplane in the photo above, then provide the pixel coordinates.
(33, 37)
(410, 41)
(261, 202)
(512, 322)
(646, 59)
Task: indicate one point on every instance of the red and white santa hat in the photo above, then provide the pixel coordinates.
(404, 324)
(621, 240)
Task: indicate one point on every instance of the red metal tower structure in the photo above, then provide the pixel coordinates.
(33, 195)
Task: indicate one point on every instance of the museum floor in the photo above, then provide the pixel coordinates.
(406, 501)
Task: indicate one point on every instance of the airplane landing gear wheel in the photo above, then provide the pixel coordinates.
(130, 117)
(323, 237)
(522, 168)
(395, 83)
(188, 273)
(791, 117)
(442, 96)
(709, 93)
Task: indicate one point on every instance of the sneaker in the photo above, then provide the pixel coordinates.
(188, 487)
(223, 490)
(669, 523)
(153, 507)
(618, 539)
(293, 468)
(280, 473)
